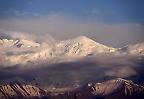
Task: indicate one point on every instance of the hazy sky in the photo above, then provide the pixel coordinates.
(111, 22)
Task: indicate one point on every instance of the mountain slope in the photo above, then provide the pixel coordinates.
(112, 89)
(82, 46)
(18, 43)
(76, 47)
(20, 90)
(26, 43)
(26, 51)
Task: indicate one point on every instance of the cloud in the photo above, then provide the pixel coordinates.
(81, 72)
(122, 72)
(26, 36)
(61, 27)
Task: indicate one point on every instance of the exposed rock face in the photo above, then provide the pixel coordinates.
(119, 89)
(19, 91)
(113, 89)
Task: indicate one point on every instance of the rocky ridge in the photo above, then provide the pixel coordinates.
(112, 89)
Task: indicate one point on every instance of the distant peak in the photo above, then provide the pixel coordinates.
(83, 37)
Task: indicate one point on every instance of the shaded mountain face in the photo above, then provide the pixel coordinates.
(112, 89)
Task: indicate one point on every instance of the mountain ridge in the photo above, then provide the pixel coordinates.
(78, 47)
(113, 89)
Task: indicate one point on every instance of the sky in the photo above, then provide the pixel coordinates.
(111, 22)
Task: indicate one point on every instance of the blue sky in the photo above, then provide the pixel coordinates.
(103, 10)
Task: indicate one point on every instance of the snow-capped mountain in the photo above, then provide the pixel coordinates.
(82, 46)
(76, 47)
(26, 51)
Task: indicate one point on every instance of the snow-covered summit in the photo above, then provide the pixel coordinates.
(82, 46)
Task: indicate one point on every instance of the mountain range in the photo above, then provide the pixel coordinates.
(112, 89)
(22, 51)
(56, 73)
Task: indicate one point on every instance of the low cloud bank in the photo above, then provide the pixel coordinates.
(93, 69)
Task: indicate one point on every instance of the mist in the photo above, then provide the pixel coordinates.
(60, 27)
(75, 73)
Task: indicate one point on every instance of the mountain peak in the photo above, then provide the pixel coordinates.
(82, 37)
